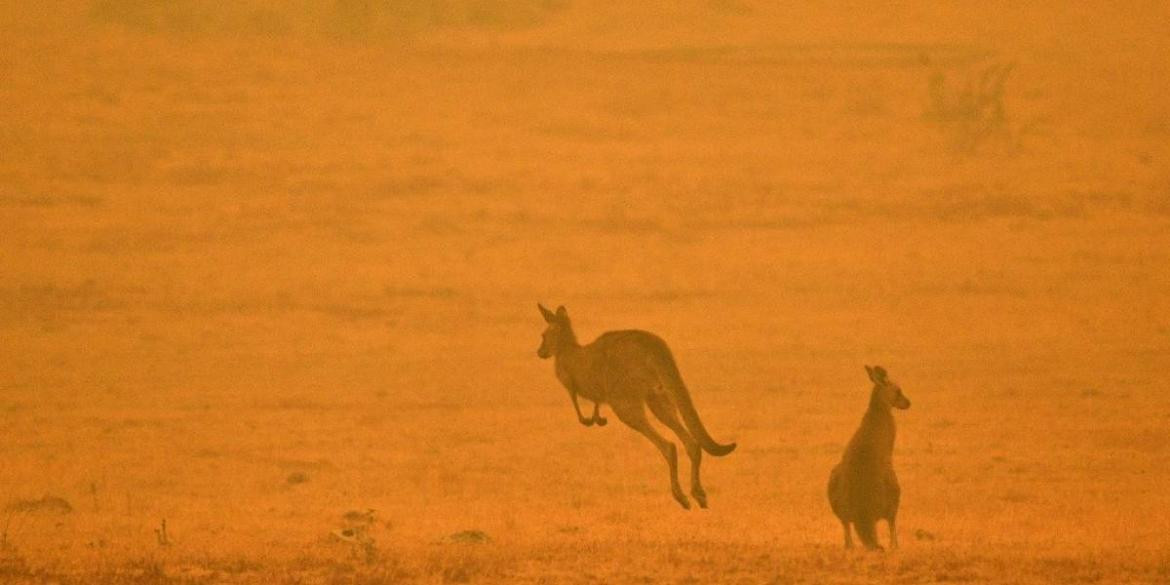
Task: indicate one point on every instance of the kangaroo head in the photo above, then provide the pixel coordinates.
(556, 334)
(885, 390)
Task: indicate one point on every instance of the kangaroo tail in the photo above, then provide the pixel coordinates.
(690, 416)
(867, 532)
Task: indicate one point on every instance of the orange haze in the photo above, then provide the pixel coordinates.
(266, 263)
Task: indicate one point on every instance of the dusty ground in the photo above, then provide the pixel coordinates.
(251, 280)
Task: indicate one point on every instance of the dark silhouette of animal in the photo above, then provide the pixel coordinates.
(632, 370)
(863, 487)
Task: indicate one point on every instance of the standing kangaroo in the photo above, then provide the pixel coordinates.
(630, 370)
(863, 487)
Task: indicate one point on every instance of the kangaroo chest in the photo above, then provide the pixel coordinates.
(873, 442)
(589, 380)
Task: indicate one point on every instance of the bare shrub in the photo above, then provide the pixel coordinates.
(969, 104)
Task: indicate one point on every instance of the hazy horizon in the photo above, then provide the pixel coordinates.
(265, 264)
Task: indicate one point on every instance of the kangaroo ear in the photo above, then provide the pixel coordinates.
(548, 315)
(877, 374)
(562, 313)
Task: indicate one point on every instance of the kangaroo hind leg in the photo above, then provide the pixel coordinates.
(666, 412)
(634, 415)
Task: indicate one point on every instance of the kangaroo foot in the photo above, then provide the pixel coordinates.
(601, 421)
(682, 500)
(700, 497)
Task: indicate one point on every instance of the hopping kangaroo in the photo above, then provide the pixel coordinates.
(863, 487)
(630, 370)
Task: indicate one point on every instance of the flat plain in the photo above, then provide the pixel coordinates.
(261, 270)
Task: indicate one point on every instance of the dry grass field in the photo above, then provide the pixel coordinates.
(267, 264)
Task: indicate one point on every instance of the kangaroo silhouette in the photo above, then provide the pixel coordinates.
(629, 371)
(863, 487)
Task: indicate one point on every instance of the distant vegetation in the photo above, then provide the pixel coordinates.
(969, 103)
(345, 18)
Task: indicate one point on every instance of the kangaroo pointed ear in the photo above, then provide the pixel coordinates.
(547, 314)
(877, 374)
(562, 313)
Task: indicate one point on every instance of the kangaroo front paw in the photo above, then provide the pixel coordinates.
(586, 421)
(601, 421)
